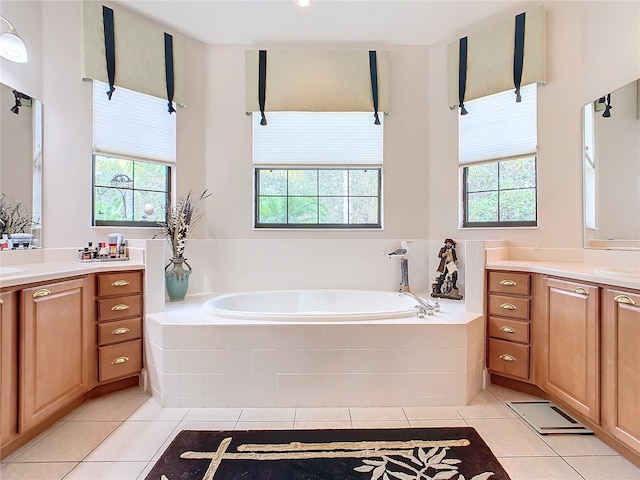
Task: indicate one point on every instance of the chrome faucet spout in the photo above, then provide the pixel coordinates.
(423, 303)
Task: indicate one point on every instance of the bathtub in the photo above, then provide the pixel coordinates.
(311, 305)
(312, 348)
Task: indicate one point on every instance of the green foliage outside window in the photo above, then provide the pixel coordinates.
(129, 192)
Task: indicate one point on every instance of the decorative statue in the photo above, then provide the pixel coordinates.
(446, 285)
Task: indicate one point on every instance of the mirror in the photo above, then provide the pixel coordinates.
(20, 168)
(611, 169)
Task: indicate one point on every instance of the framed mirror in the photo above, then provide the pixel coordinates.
(20, 169)
(611, 169)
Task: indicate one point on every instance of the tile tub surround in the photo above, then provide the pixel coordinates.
(195, 360)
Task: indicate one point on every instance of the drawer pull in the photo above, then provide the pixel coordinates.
(1, 301)
(119, 307)
(119, 331)
(507, 358)
(119, 283)
(507, 329)
(119, 360)
(508, 306)
(581, 291)
(624, 299)
(508, 283)
(43, 292)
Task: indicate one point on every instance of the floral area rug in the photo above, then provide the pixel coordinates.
(356, 454)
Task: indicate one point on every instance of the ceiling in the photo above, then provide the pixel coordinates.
(382, 22)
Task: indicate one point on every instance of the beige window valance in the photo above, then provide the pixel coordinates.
(139, 49)
(317, 81)
(490, 58)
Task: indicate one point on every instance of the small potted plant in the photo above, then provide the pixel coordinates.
(178, 224)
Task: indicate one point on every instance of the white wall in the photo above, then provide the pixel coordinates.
(592, 47)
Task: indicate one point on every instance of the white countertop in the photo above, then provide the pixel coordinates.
(41, 272)
(578, 271)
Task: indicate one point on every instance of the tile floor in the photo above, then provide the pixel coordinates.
(120, 436)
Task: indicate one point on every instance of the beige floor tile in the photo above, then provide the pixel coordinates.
(329, 425)
(538, 468)
(577, 445)
(31, 443)
(192, 426)
(152, 411)
(485, 405)
(111, 408)
(377, 413)
(264, 426)
(431, 423)
(510, 438)
(39, 471)
(267, 415)
(604, 468)
(133, 442)
(212, 415)
(70, 442)
(507, 395)
(380, 423)
(323, 415)
(146, 470)
(106, 471)
(425, 413)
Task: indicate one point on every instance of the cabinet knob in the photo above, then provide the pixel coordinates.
(119, 283)
(119, 307)
(624, 299)
(119, 331)
(508, 306)
(507, 329)
(43, 292)
(507, 358)
(508, 283)
(119, 360)
(581, 291)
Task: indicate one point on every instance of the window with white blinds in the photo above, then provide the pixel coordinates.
(133, 125)
(317, 138)
(497, 127)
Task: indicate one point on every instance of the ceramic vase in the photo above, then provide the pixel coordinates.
(177, 278)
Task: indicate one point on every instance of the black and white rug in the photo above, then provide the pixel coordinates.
(350, 454)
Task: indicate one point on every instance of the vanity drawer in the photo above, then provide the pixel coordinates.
(512, 307)
(510, 282)
(511, 330)
(119, 331)
(509, 358)
(119, 307)
(119, 283)
(119, 360)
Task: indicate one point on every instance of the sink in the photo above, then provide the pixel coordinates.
(618, 271)
(11, 271)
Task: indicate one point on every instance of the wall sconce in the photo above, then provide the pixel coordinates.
(19, 97)
(11, 45)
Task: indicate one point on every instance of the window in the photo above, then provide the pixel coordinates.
(133, 154)
(498, 139)
(317, 170)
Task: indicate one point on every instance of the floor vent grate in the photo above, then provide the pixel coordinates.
(547, 418)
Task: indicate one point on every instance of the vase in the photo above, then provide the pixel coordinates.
(177, 278)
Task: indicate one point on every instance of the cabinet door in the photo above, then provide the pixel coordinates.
(8, 367)
(571, 345)
(54, 349)
(621, 366)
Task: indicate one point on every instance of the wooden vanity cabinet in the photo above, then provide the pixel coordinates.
(8, 367)
(621, 365)
(55, 343)
(120, 309)
(570, 345)
(509, 324)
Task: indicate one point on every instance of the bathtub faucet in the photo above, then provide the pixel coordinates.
(424, 307)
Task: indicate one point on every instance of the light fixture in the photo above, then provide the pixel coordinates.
(11, 45)
(302, 3)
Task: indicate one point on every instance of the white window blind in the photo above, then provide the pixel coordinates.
(497, 127)
(317, 138)
(133, 125)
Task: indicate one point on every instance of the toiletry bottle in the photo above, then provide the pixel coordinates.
(103, 253)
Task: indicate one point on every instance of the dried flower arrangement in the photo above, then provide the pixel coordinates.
(180, 219)
(13, 218)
